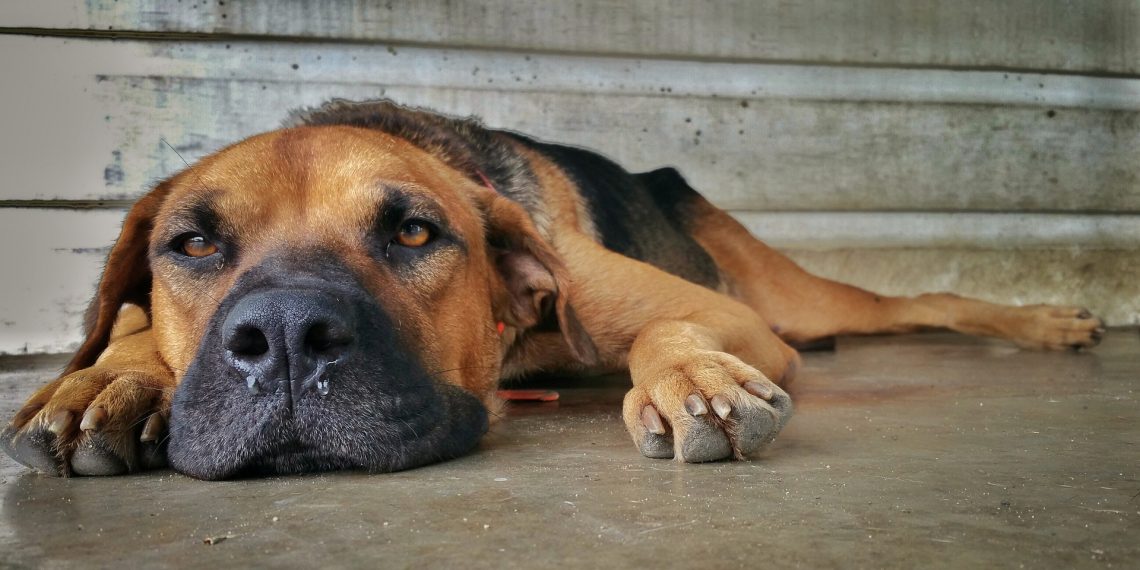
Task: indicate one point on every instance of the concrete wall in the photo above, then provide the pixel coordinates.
(987, 148)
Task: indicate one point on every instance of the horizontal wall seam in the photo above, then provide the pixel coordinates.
(215, 37)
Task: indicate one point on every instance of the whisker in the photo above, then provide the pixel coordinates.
(139, 420)
(473, 367)
(163, 439)
(163, 139)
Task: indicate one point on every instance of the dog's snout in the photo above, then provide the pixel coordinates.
(282, 338)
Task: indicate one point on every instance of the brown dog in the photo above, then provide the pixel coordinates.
(348, 292)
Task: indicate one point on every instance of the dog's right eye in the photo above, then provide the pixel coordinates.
(196, 245)
(414, 233)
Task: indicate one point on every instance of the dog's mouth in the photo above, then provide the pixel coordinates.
(295, 445)
(294, 457)
(312, 378)
(322, 436)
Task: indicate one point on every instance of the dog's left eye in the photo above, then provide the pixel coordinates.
(194, 245)
(414, 233)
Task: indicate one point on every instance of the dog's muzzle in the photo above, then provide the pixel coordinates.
(299, 372)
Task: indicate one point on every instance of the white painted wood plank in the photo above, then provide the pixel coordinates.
(512, 71)
(52, 260)
(1058, 35)
(54, 257)
(103, 110)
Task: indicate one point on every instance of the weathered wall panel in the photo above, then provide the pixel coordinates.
(988, 148)
(52, 260)
(55, 256)
(1064, 35)
(956, 149)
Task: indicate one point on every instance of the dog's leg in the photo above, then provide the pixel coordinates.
(803, 307)
(103, 420)
(705, 367)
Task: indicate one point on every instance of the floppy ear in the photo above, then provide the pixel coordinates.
(126, 278)
(535, 279)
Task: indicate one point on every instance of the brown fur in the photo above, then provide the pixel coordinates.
(308, 188)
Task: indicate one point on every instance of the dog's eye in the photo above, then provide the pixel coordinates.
(414, 233)
(194, 245)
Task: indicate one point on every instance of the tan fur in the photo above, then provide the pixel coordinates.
(804, 307)
(316, 187)
(127, 384)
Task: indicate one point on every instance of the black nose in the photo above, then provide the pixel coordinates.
(287, 339)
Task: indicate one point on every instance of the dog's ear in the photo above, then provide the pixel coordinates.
(535, 279)
(126, 278)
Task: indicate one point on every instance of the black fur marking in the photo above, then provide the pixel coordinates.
(643, 216)
(462, 143)
(198, 215)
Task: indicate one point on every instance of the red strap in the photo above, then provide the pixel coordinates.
(529, 395)
(486, 181)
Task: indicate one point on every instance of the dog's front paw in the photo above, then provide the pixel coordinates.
(96, 421)
(708, 406)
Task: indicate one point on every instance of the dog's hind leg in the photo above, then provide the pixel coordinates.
(802, 307)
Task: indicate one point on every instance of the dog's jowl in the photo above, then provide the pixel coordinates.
(347, 292)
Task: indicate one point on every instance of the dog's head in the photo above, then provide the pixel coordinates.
(329, 298)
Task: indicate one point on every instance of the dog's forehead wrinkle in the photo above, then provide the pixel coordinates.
(197, 209)
(393, 201)
(332, 185)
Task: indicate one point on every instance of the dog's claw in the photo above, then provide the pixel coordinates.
(652, 420)
(759, 390)
(654, 443)
(59, 422)
(93, 419)
(154, 428)
(695, 405)
(721, 406)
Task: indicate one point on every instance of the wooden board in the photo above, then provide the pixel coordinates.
(983, 147)
(808, 141)
(53, 259)
(1057, 35)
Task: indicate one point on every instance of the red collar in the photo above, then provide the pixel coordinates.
(486, 181)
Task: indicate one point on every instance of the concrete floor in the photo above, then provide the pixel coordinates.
(920, 451)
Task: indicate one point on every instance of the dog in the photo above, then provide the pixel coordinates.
(347, 292)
